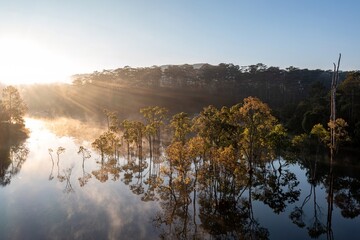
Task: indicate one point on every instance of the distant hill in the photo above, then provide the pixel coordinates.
(195, 66)
(272, 84)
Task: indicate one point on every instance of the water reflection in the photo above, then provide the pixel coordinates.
(86, 154)
(347, 195)
(51, 176)
(63, 175)
(107, 167)
(277, 187)
(11, 161)
(342, 188)
(314, 225)
(329, 231)
(13, 151)
(198, 202)
(233, 217)
(153, 196)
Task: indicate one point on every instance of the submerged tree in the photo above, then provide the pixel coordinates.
(338, 130)
(154, 117)
(257, 122)
(107, 144)
(181, 126)
(112, 120)
(133, 132)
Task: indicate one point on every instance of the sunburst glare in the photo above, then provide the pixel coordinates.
(26, 61)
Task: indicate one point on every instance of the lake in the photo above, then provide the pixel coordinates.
(50, 190)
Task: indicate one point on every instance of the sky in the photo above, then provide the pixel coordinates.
(47, 41)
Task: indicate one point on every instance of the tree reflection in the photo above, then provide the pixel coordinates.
(107, 167)
(153, 181)
(85, 153)
(11, 161)
(59, 151)
(344, 191)
(342, 188)
(13, 152)
(175, 218)
(231, 218)
(277, 188)
(217, 167)
(51, 176)
(347, 196)
(314, 225)
(224, 200)
(138, 169)
(67, 174)
(329, 231)
(128, 172)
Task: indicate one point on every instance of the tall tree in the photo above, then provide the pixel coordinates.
(181, 126)
(258, 122)
(13, 105)
(334, 83)
(154, 117)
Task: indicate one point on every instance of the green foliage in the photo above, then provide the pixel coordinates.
(217, 127)
(12, 107)
(279, 139)
(349, 102)
(256, 119)
(181, 126)
(154, 117)
(13, 151)
(106, 144)
(300, 141)
(321, 133)
(112, 121)
(341, 134)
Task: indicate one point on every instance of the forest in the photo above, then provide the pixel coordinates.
(299, 98)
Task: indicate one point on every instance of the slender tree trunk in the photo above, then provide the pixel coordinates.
(334, 82)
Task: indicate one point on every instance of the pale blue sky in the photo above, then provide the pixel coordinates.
(83, 36)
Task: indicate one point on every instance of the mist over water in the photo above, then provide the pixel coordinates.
(46, 200)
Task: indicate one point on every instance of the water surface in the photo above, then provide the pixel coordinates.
(48, 193)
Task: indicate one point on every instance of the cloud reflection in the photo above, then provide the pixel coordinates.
(96, 211)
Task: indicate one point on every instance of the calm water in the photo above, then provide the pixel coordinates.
(48, 193)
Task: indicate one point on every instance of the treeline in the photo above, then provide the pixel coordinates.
(248, 129)
(299, 97)
(272, 84)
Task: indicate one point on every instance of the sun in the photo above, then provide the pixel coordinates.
(27, 61)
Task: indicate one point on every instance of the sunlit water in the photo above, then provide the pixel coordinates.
(34, 207)
(48, 201)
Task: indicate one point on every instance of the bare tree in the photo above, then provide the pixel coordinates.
(334, 82)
